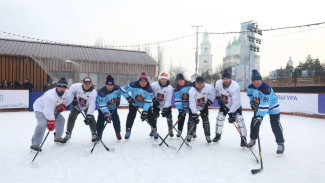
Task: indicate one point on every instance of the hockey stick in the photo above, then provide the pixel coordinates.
(255, 171)
(174, 127)
(57, 114)
(107, 149)
(172, 147)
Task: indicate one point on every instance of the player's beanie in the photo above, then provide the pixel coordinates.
(163, 76)
(143, 77)
(62, 83)
(109, 80)
(199, 79)
(226, 74)
(180, 76)
(256, 75)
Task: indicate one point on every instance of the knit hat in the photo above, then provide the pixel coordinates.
(226, 74)
(143, 77)
(256, 75)
(62, 83)
(163, 76)
(180, 76)
(87, 80)
(109, 80)
(199, 79)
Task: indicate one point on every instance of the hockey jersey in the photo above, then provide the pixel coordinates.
(265, 97)
(141, 96)
(86, 100)
(198, 98)
(106, 99)
(48, 102)
(230, 96)
(182, 95)
(163, 94)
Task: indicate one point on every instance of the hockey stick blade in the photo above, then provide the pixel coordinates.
(169, 146)
(255, 171)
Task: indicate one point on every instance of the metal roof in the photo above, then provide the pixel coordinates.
(73, 52)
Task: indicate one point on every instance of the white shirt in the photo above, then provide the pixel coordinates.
(85, 99)
(162, 94)
(50, 100)
(230, 95)
(199, 98)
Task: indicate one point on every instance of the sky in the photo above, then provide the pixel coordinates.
(127, 22)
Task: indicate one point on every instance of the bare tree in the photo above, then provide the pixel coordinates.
(160, 59)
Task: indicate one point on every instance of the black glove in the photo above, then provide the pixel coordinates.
(144, 115)
(254, 105)
(220, 102)
(75, 101)
(155, 102)
(232, 117)
(117, 103)
(107, 117)
(155, 111)
(257, 121)
(88, 119)
(195, 118)
(165, 112)
(181, 113)
(209, 102)
(130, 100)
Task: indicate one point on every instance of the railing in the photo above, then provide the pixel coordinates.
(292, 82)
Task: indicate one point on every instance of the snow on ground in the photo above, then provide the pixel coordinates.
(137, 160)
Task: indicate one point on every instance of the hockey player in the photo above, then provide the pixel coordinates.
(182, 101)
(108, 100)
(228, 97)
(263, 101)
(163, 93)
(141, 96)
(201, 96)
(46, 108)
(85, 100)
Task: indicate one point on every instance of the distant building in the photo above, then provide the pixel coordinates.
(282, 73)
(205, 58)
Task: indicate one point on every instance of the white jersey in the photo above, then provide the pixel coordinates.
(199, 98)
(230, 95)
(50, 100)
(162, 94)
(85, 99)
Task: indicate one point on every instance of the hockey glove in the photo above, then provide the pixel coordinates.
(61, 107)
(107, 117)
(155, 102)
(165, 112)
(209, 102)
(75, 101)
(257, 120)
(144, 115)
(220, 101)
(51, 125)
(232, 117)
(88, 119)
(195, 118)
(130, 100)
(254, 105)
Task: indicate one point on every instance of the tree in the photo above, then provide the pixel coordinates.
(311, 64)
(160, 59)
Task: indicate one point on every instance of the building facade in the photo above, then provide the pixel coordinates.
(205, 58)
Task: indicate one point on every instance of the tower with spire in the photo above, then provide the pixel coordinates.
(205, 58)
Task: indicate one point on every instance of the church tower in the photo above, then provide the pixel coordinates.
(205, 58)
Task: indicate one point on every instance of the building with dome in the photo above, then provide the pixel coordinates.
(232, 57)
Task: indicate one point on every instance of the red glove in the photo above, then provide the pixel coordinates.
(61, 107)
(107, 117)
(51, 125)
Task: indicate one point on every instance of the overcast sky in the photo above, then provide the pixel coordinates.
(141, 21)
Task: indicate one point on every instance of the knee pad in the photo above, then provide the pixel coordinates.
(241, 124)
(220, 122)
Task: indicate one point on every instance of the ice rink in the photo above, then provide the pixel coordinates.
(136, 160)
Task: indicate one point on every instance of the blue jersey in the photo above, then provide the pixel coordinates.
(182, 95)
(141, 96)
(106, 99)
(265, 97)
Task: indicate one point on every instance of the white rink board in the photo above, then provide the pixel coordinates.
(14, 99)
